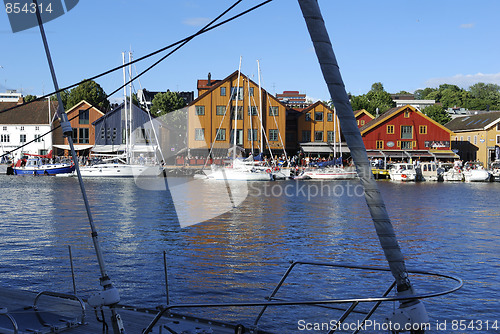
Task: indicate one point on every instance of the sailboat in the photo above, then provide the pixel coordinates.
(332, 169)
(121, 166)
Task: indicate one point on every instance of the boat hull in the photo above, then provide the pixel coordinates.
(119, 170)
(476, 175)
(240, 175)
(44, 170)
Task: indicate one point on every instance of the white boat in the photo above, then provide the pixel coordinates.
(450, 172)
(119, 170)
(475, 172)
(427, 171)
(241, 171)
(403, 172)
(495, 170)
(328, 173)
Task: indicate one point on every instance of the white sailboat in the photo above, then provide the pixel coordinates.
(121, 166)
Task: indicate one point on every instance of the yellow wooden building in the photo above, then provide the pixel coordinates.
(476, 136)
(224, 106)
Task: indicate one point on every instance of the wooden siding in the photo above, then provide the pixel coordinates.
(314, 125)
(210, 121)
(94, 114)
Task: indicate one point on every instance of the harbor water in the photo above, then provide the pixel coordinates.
(240, 252)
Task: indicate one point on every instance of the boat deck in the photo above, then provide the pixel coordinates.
(62, 315)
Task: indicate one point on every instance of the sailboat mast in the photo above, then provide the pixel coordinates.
(251, 116)
(130, 103)
(125, 109)
(334, 133)
(329, 67)
(260, 110)
(235, 131)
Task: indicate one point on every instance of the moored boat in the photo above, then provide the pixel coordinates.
(403, 172)
(495, 171)
(40, 166)
(475, 172)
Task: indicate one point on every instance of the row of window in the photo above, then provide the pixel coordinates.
(318, 136)
(407, 130)
(221, 111)
(37, 128)
(236, 92)
(81, 135)
(318, 116)
(402, 144)
(252, 135)
(5, 138)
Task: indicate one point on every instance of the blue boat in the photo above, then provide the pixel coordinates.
(37, 165)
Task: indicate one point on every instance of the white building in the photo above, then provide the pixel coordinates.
(25, 125)
(419, 104)
(10, 96)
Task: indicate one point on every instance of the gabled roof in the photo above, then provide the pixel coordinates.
(79, 104)
(477, 122)
(363, 111)
(314, 105)
(115, 110)
(393, 112)
(220, 82)
(31, 113)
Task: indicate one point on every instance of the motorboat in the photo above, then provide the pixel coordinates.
(42, 166)
(474, 171)
(450, 172)
(427, 171)
(403, 172)
(495, 171)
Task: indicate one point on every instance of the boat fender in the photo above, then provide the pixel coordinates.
(403, 176)
(268, 170)
(276, 168)
(239, 329)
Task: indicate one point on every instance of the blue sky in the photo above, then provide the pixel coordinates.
(406, 45)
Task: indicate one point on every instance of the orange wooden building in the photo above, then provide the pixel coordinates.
(211, 117)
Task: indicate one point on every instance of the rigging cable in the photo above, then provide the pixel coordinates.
(184, 41)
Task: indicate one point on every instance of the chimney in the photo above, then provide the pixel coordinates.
(209, 83)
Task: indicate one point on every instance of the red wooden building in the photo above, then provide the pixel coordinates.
(363, 117)
(404, 132)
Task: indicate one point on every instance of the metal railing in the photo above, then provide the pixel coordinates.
(272, 301)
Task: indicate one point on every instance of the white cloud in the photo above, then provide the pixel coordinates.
(465, 81)
(196, 21)
(467, 25)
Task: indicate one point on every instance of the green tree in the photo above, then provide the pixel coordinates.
(89, 91)
(164, 103)
(29, 98)
(64, 98)
(437, 113)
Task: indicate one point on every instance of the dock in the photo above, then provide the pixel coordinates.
(54, 315)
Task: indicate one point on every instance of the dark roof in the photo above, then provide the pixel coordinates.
(473, 122)
(203, 84)
(31, 113)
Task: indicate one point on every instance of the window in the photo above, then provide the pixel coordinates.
(239, 114)
(251, 91)
(308, 116)
(423, 129)
(252, 111)
(273, 135)
(498, 139)
(38, 139)
(239, 136)
(461, 138)
(37, 128)
(252, 134)
(329, 117)
(200, 110)
(22, 138)
(498, 127)
(83, 136)
(221, 135)
(318, 116)
(83, 116)
(330, 136)
(406, 145)
(468, 139)
(407, 114)
(223, 91)
(109, 133)
(103, 133)
(406, 132)
(114, 134)
(5, 138)
(199, 134)
(318, 135)
(390, 129)
(22, 128)
(75, 135)
(273, 111)
(220, 110)
(240, 93)
(475, 140)
(4, 128)
(306, 136)
(362, 122)
(380, 144)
